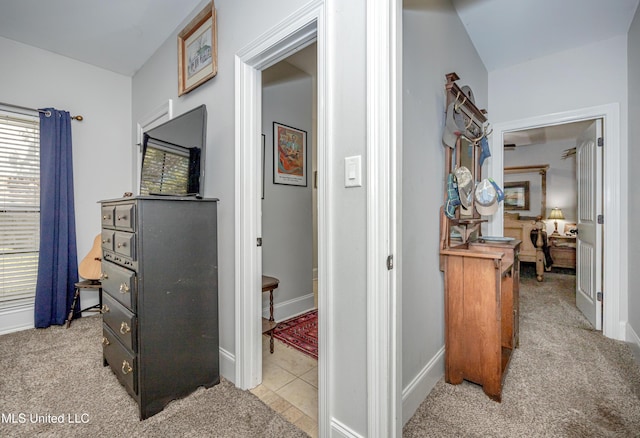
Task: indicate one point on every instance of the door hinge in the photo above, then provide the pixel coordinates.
(390, 262)
(599, 296)
(600, 141)
(259, 241)
(601, 219)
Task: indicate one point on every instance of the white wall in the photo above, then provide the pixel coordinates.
(239, 23)
(561, 179)
(634, 159)
(287, 250)
(435, 43)
(588, 76)
(36, 78)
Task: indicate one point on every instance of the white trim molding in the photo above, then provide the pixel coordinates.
(421, 385)
(295, 32)
(615, 266)
(383, 342)
(288, 309)
(227, 365)
(156, 117)
(341, 430)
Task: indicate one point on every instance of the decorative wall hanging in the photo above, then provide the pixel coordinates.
(516, 195)
(289, 155)
(198, 51)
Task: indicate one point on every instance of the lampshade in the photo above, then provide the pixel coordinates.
(556, 213)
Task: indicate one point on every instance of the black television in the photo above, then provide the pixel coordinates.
(173, 156)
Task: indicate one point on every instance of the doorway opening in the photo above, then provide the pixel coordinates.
(562, 195)
(614, 267)
(289, 238)
(300, 30)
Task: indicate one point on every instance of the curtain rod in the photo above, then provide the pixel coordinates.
(45, 112)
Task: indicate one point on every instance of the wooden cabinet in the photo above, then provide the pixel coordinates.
(160, 301)
(563, 251)
(481, 312)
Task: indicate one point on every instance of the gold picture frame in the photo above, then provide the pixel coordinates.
(516, 195)
(198, 51)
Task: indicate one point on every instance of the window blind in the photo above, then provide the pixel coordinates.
(19, 208)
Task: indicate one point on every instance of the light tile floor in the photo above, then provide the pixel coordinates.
(290, 385)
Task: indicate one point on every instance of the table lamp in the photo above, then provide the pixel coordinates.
(556, 214)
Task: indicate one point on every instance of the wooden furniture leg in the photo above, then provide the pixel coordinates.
(269, 325)
(86, 285)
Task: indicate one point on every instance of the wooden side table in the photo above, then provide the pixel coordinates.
(269, 325)
(563, 251)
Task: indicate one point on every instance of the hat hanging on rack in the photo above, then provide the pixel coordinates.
(486, 198)
(465, 186)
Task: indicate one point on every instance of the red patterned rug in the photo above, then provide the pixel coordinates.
(300, 332)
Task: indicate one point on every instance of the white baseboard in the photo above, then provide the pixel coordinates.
(228, 365)
(290, 308)
(16, 320)
(340, 430)
(632, 336)
(418, 389)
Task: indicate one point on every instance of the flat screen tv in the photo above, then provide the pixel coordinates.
(173, 156)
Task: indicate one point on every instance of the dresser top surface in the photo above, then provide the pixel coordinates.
(160, 198)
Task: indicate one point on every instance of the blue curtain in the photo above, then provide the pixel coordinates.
(58, 260)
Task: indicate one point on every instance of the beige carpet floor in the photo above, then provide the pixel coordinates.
(58, 373)
(565, 380)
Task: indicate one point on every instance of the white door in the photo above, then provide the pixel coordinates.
(589, 240)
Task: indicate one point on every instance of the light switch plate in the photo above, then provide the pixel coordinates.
(353, 171)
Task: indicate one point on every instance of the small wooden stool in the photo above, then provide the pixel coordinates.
(269, 325)
(85, 284)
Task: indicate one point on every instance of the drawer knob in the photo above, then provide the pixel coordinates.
(124, 288)
(124, 328)
(103, 276)
(122, 245)
(106, 217)
(126, 367)
(105, 341)
(122, 218)
(104, 309)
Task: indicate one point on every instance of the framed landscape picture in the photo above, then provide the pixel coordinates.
(289, 155)
(516, 195)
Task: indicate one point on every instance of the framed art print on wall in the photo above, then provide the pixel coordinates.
(289, 155)
(198, 51)
(516, 195)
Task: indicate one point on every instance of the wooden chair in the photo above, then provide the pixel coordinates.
(85, 285)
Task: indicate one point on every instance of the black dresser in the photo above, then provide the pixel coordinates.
(160, 301)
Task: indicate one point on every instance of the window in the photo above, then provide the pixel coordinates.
(19, 209)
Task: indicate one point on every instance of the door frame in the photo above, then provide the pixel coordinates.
(304, 26)
(300, 29)
(614, 191)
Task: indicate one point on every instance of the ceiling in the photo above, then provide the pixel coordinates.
(121, 35)
(508, 32)
(565, 133)
(117, 35)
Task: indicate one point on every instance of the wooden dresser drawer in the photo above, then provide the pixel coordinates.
(125, 217)
(107, 240)
(122, 362)
(120, 283)
(107, 216)
(125, 244)
(121, 321)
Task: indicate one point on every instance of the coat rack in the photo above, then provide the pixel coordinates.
(475, 122)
